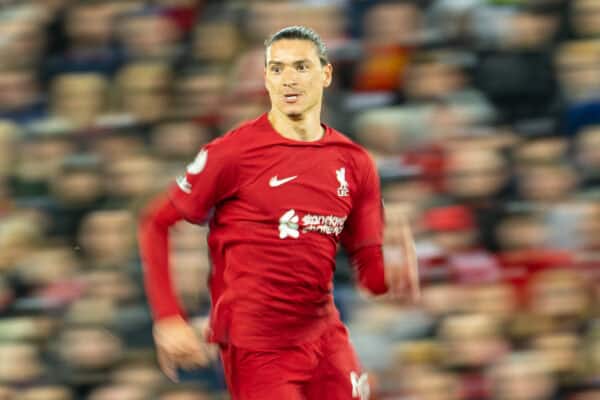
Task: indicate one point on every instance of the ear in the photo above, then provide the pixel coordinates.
(327, 75)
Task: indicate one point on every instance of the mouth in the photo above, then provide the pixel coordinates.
(291, 98)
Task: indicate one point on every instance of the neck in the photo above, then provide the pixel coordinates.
(306, 128)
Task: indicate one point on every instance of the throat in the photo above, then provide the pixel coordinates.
(301, 133)
(295, 127)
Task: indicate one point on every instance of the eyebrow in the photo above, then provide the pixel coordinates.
(304, 60)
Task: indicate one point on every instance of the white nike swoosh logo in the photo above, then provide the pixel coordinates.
(274, 182)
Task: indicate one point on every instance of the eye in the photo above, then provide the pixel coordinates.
(302, 67)
(276, 69)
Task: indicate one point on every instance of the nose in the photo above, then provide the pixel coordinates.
(289, 77)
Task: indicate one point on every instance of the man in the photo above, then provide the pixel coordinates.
(279, 193)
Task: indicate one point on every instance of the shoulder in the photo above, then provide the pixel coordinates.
(355, 152)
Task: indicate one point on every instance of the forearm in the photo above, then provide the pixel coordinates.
(368, 263)
(154, 226)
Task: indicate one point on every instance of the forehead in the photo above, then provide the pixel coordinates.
(290, 50)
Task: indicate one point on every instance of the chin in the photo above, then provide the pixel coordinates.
(293, 112)
(296, 116)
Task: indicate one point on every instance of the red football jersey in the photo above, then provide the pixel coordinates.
(277, 209)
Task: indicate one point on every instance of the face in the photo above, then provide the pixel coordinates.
(586, 15)
(472, 339)
(475, 173)
(75, 349)
(588, 148)
(107, 233)
(295, 78)
(90, 23)
(79, 98)
(20, 363)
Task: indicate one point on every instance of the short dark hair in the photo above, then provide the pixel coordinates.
(300, 33)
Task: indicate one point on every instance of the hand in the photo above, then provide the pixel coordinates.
(400, 256)
(178, 345)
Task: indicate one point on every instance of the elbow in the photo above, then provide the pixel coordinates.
(159, 214)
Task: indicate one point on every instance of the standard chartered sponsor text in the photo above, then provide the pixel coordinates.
(326, 224)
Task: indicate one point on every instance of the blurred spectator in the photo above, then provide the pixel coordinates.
(588, 230)
(560, 352)
(391, 32)
(76, 189)
(119, 144)
(179, 139)
(113, 285)
(578, 66)
(144, 90)
(472, 340)
(479, 177)
(386, 131)
(46, 278)
(23, 39)
(560, 295)
(428, 384)
(497, 299)
(453, 232)
(21, 233)
(475, 174)
(138, 373)
(584, 18)
(517, 73)
(107, 237)
(20, 97)
(587, 156)
(21, 364)
(79, 98)
(522, 376)
(89, 35)
(40, 158)
(132, 178)
(148, 34)
(199, 93)
(548, 184)
(89, 26)
(93, 309)
(215, 42)
(83, 366)
(441, 298)
(439, 76)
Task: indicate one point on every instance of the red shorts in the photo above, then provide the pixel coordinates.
(324, 369)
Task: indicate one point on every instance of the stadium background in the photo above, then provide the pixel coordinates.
(484, 119)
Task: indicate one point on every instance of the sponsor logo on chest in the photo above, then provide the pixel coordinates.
(291, 224)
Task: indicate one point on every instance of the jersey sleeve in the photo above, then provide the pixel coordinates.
(209, 179)
(153, 233)
(364, 226)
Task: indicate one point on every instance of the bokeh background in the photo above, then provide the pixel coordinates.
(483, 117)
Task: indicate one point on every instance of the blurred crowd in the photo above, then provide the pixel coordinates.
(483, 117)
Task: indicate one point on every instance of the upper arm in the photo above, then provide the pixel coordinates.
(212, 177)
(365, 222)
